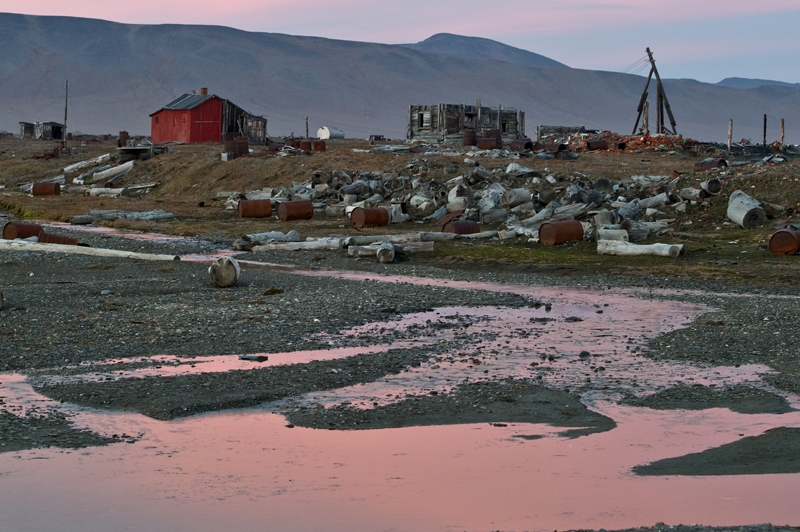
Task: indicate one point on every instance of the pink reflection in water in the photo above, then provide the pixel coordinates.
(246, 471)
(123, 233)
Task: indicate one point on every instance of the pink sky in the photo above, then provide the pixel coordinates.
(706, 40)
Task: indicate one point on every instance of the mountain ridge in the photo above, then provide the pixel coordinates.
(120, 73)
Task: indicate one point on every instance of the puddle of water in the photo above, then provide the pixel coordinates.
(242, 470)
(123, 233)
(172, 366)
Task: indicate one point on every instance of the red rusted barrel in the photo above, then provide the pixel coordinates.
(461, 227)
(361, 217)
(318, 145)
(305, 145)
(594, 145)
(555, 233)
(487, 144)
(295, 210)
(46, 238)
(257, 208)
(522, 145)
(470, 137)
(230, 146)
(710, 164)
(14, 230)
(46, 189)
(785, 242)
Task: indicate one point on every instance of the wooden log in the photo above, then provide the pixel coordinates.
(399, 249)
(21, 245)
(605, 218)
(637, 231)
(275, 236)
(616, 247)
(328, 243)
(494, 216)
(111, 172)
(745, 211)
(611, 234)
(224, 272)
(652, 202)
(436, 237)
(373, 239)
(385, 252)
(691, 194)
(478, 236)
(111, 192)
(516, 196)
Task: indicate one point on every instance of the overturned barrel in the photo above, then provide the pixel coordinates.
(785, 242)
(46, 189)
(596, 145)
(710, 164)
(556, 233)
(361, 217)
(47, 238)
(461, 227)
(488, 144)
(522, 145)
(295, 210)
(14, 230)
(260, 208)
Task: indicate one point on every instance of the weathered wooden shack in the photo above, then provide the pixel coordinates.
(27, 130)
(195, 118)
(45, 130)
(431, 123)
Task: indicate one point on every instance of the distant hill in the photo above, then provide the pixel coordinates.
(745, 83)
(120, 73)
(478, 48)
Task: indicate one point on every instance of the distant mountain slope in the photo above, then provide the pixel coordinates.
(745, 83)
(478, 48)
(120, 73)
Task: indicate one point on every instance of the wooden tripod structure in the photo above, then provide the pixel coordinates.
(661, 102)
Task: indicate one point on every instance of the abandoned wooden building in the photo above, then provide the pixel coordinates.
(430, 123)
(203, 117)
(41, 130)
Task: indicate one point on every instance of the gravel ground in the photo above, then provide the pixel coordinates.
(62, 310)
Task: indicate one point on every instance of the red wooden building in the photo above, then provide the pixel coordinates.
(204, 117)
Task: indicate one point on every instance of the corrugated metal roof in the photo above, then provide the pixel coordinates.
(188, 101)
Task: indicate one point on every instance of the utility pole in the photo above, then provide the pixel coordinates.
(662, 103)
(66, 106)
(306, 128)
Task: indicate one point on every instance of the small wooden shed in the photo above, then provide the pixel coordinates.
(194, 118)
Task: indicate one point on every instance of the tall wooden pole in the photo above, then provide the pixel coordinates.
(783, 135)
(730, 135)
(66, 106)
(765, 133)
(306, 128)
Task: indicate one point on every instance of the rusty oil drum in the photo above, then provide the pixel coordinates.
(318, 145)
(785, 242)
(487, 144)
(47, 238)
(259, 208)
(461, 227)
(304, 145)
(14, 230)
(556, 233)
(295, 210)
(361, 217)
(522, 145)
(470, 137)
(595, 145)
(46, 189)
